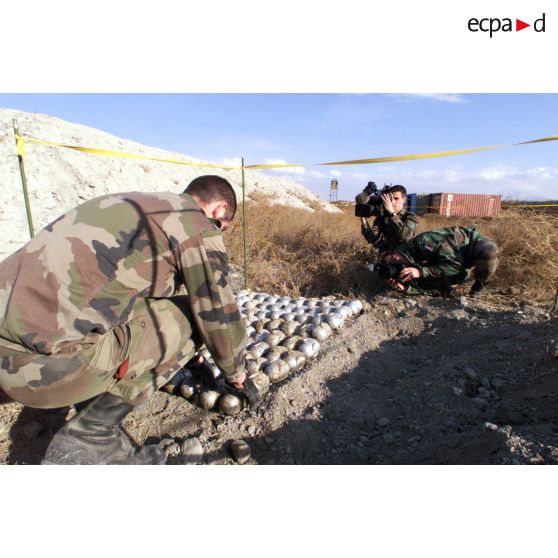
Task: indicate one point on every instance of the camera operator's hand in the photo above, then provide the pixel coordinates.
(409, 273)
(396, 285)
(388, 204)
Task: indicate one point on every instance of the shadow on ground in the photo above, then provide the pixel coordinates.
(409, 402)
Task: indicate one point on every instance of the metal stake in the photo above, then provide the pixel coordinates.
(24, 182)
(244, 227)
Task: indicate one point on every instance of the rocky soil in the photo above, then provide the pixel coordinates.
(411, 381)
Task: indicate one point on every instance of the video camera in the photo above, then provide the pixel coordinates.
(369, 202)
(387, 271)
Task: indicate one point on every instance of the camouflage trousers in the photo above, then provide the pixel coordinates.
(437, 286)
(153, 345)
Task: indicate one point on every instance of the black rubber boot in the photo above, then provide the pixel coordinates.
(477, 289)
(94, 437)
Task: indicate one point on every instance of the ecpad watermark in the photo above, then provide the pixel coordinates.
(493, 25)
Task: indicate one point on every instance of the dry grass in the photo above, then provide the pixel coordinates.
(295, 252)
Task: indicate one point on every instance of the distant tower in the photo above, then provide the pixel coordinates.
(333, 190)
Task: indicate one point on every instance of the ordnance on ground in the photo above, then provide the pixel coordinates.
(300, 359)
(208, 399)
(320, 334)
(277, 371)
(291, 361)
(230, 404)
(187, 389)
(256, 365)
(273, 354)
(292, 342)
(290, 328)
(283, 334)
(260, 349)
(334, 321)
(240, 451)
(275, 324)
(275, 337)
(305, 331)
(309, 348)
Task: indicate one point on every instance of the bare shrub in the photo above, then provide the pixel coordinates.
(292, 251)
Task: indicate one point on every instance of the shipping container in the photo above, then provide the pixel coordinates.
(465, 205)
(418, 203)
(423, 203)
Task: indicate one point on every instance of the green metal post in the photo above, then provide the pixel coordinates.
(244, 227)
(24, 184)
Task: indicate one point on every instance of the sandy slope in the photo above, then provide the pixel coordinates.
(59, 179)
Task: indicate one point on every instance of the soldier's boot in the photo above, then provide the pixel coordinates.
(94, 437)
(477, 289)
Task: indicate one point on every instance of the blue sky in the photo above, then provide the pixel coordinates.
(314, 128)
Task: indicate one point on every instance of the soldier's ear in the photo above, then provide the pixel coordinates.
(219, 210)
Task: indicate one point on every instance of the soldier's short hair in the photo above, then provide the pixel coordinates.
(398, 188)
(397, 254)
(211, 188)
(485, 249)
(487, 256)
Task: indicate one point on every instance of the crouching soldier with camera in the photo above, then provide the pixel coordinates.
(393, 223)
(434, 261)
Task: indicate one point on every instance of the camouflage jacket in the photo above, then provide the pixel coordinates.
(442, 252)
(80, 276)
(388, 232)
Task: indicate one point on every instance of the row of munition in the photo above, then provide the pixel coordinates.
(284, 333)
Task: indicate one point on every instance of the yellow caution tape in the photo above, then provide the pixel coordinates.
(123, 155)
(513, 206)
(503, 206)
(389, 159)
(434, 154)
(393, 158)
(273, 166)
(20, 146)
(549, 138)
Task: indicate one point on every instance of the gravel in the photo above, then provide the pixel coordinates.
(441, 391)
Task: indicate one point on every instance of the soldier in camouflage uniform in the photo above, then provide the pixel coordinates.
(438, 259)
(109, 302)
(395, 226)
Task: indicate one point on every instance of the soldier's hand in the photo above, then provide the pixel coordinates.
(396, 285)
(388, 204)
(409, 273)
(239, 382)
(477, 289)
(195, 362)
(254, 389)
(251, 390)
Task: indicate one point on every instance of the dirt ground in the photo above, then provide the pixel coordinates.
(410, 381)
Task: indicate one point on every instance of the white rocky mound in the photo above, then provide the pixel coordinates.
(59, 179)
